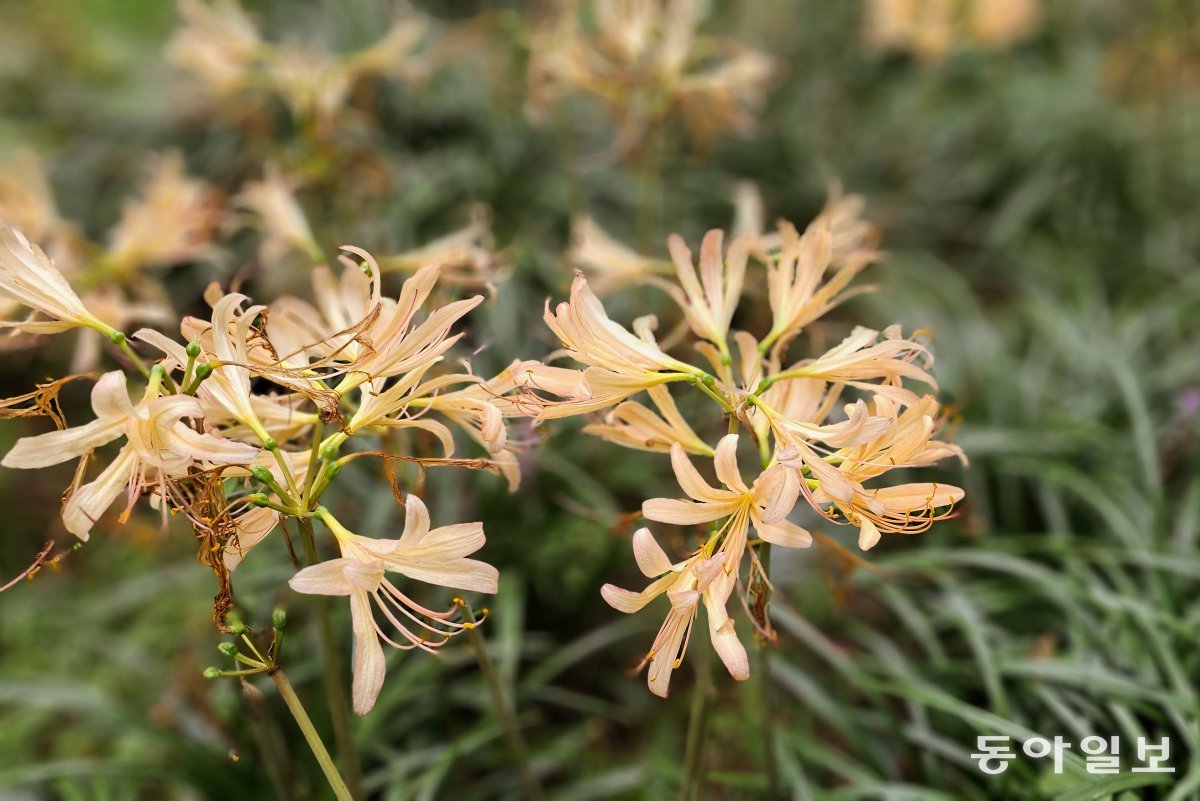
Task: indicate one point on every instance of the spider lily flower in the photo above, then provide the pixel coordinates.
(217, 43)
(399, 343)
(633, 425)
(435, 556)
(765, 505)
(159, 445)
(864, 357)
(809, 277)
(709, 302)
(228, 335)
(609, 265)
(465, 256)
(28, 277)
(338, 325)
(687, 584)
(277, 213)
(172, 222)
(906, 442)
(619, 363)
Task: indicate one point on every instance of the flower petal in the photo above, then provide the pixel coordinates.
(783, 532)
(684, 513)
(59, 446)
(323, 578)
(868, 535)
(651, 559)
(725, 462)
(370, 668)
(110, 398)
(689, 479)
(87, 503)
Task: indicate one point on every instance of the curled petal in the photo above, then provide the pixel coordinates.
(785, 533)
(90, 501)
(725, 462)
(369, 665)
(651, 558)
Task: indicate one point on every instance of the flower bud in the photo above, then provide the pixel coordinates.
(262, 475)
(212, 673)
(278, 619)
(228, 648)
(203, 371)
(193, 348)
(235, 623)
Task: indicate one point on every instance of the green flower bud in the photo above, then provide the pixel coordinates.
(203, 371)
(228, 648)
(212, 673)
(262, 474)
(278, 619)
(193, 348)
(235, 623)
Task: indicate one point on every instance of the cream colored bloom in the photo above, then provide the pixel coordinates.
(434, 556)
(633, 425)
(835, 486)
(278, 214)
(686, 584)
(226, 342)
(172, 222)
(766, 505)
(609, 264)
(28, 277)
(710, 301)
(217, 43)
(465, 256)
(866, 357)
(619, 363)
(644, 61)
(158, 446)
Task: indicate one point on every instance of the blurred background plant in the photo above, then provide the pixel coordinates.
(1036, 193)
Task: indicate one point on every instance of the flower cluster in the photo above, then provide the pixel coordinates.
(645, 62)
(240, 425)
(929, 29)
(825, 427)
(222, 48)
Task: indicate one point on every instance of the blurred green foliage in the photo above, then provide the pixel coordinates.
(1039, 207)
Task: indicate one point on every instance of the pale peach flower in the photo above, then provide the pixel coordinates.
(907, 441)
(465, 256)
(217, 43)
(172, 222)
(686, 584)
(277, 213)
(159, 445)
(633, 425)
(708, 302)
(28, 277)
(434, 556)
(609, 264)
(619, 363)
(764, 506)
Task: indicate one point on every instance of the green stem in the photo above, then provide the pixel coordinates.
(765, 698)
(697, 722)
(508, 720)
(310, 734)
(123, 344)
(335, 693)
